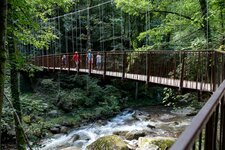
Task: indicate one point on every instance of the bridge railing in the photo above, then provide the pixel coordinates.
(204, 68)
(207, 130)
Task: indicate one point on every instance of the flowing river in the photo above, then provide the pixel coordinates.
(156, 121)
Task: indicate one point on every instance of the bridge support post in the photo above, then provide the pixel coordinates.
(47, 62)
(90, 66)
(69, 63)
(104, 65)
(147, 67)
(123, 71)
(54, 62)
(182, 71)
(214, 71)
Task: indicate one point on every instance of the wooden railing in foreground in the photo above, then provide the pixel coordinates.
(207, 130)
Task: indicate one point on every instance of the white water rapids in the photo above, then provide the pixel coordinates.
(164, 123)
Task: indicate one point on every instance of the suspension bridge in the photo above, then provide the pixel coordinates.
(197, 70)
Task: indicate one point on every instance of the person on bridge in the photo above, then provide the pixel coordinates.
(90, 59)
(63, 61)
(98, 61)
(76, 59)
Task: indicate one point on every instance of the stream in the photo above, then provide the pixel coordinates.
(155, 121)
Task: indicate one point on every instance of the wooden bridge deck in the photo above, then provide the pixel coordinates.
(207, 87)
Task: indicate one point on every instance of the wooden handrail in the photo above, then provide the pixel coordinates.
(188, 137)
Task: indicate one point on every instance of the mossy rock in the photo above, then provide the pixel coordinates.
(111, 142)
(135, 135)
(27, 119)
(162, 142)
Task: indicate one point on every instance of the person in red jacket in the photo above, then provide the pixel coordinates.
(76, 59)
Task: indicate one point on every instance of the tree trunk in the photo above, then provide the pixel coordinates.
(20, 139)
(205, 27)
(2, 55)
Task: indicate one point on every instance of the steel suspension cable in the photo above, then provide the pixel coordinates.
(88, 26)
(80, 32)
(146, 28)
(129, 28)
(82, 10)
(103, 30)
(113, 27)
(121, 32)
(59, 32)
(72, 38)
(76, 33)
(207, 22)
(100, 28)
(66, 36)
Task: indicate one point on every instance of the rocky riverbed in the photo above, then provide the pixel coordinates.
(131, 129)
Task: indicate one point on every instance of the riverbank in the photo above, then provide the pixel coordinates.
(129, 125)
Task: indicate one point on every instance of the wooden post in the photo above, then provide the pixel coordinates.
(182, 71)
(90, 64)
(198, 72)
(68, 63)
(147, 67)
(104, 64)
(48, 61)
(214, 62)
(123, 69)
(61, 63)
(54, 62)
(175, 65)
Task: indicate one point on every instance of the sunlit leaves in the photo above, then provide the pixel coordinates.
(29, 22)
(132, 7)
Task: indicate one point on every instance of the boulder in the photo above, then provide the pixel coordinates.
(138, 115)
(53, 113)
(55, 130)
(120, 133)
(111, 142)
(149, 147)
(151, 126)
(71, 148)
(162, 142)
(63, 129)
(75, 137)
(135, 135)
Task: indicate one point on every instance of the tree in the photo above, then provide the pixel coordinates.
(25, 18)
(182, 24)
(2, 55)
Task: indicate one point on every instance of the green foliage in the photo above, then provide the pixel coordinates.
(175, 99)
(48, 86)
(32, 105)
(7, 119)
